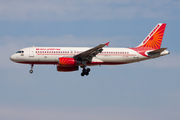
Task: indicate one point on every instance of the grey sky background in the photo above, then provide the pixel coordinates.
(145, 90)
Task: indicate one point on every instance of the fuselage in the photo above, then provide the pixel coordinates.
(50, 55)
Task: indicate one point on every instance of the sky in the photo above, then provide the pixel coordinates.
(138, 91)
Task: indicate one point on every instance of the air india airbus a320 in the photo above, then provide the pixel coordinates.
(69, 59)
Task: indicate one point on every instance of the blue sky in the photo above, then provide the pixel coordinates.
(145, 90)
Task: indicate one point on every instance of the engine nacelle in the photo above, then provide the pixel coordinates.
(67, 62)
(67, 69)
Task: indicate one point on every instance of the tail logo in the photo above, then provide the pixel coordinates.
(154, 39)
(150, 35)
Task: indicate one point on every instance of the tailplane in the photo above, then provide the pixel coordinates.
(154, 39)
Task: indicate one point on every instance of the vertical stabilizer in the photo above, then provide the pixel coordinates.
(154, 39)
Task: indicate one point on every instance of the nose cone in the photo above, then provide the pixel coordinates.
(12, 58)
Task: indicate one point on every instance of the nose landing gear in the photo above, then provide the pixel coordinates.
(31, 71)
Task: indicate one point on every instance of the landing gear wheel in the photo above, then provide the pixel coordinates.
(82, 74)
(88, 70)
(85, 71)
(31, 71)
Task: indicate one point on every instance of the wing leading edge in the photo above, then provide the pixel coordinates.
(89, 54)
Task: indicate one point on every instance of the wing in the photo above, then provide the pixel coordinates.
(89, 54)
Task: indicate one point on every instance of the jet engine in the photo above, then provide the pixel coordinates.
(67, 62)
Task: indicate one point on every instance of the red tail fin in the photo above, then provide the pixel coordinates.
(154, 39)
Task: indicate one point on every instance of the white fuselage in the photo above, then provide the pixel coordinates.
(50, 55)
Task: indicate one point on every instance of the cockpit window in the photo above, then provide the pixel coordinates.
(20, 52)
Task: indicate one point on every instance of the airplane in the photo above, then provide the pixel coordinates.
(68, 59)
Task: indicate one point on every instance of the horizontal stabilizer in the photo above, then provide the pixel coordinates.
(157, 51)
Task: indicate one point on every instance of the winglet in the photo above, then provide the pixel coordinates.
(107, 44)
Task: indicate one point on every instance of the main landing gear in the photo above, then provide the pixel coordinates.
(31, 71)
(85, 71)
